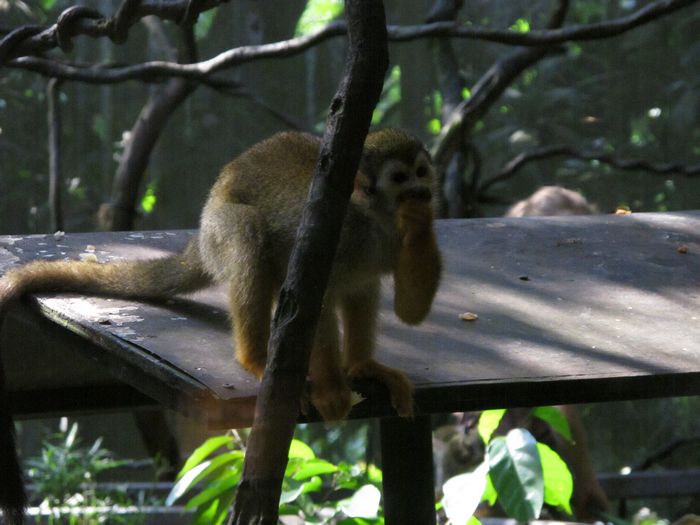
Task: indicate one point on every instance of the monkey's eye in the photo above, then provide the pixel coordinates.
(399, 177)
(421, 172)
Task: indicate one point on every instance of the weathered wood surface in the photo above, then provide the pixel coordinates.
(571, 309)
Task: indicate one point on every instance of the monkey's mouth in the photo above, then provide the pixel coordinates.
(417, 194)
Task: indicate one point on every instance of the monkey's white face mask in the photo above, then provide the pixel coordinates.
(395, 182)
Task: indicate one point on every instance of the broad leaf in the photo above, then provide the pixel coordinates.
(555, 419)
(206, 515)
(204, 450)
(516, 472)
(558, 482)
(185, 482)
(488, 423)
(299, 449)
(309, 468)
(490, 495)
(363, 504)
(220, 489)
(318, 13)
(462, 494)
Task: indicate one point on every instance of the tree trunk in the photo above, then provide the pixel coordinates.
(294, 324)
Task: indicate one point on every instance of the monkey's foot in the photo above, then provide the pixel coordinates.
(333, 401)
(400, 387)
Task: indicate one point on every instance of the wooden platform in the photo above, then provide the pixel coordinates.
(569, 310)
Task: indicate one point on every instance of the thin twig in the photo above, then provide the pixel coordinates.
(20, 52)
(657, 168)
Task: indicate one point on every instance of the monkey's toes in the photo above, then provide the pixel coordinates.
(332, 403)
(399, 386)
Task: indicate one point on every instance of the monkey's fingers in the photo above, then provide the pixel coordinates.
(414, 217)
(400, 387)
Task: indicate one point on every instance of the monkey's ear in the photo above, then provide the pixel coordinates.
(363, 190)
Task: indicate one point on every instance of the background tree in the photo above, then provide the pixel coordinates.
(617, 82)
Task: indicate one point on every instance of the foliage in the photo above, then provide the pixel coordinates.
(65, 473)
(518, 473)
(317, 14)
(313, 489)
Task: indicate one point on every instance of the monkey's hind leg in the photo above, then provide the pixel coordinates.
(330, 392)
(360, 319)
(233, 246)
(250, 315)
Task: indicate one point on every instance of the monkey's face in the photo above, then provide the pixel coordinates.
(398, 181)
(393, 181)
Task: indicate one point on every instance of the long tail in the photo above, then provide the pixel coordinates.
(146, 279)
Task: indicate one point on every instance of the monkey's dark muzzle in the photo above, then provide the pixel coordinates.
(417, 194)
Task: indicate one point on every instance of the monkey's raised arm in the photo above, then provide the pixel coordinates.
(418, 266)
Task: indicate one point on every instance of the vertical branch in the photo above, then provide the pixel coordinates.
(120, 214)
(54, 122)
(453, 195)
(299, 305)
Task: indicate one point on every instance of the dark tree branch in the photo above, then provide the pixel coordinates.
(54, 122)
(120, 213)
(607, 29)
(17, 48)
(80, 20)
(487, 91)
(451, 83)
(299, 305)
(657, 168)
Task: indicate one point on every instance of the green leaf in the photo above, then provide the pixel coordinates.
(374, 474)
(488, 423)
(185, 482)
(205, 515)
(390, 97)
(293, 489)
(47, 5)
(521, 26)
(558, 482)
(217, 467)
(462, 494)
(490, 495)
(310, 468)
(555, 419)
(473, 521)
(223, 511)
(204, 22)
(318, 13)
(516, 472)
(222, 488)
(299, 449)
(148, 202)
(313, 485)
(204, 450)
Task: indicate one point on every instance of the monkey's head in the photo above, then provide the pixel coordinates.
(395, 167)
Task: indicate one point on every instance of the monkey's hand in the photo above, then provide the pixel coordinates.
(418, 267)
(414, 221)
(400, 387)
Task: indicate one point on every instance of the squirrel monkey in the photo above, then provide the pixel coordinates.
(247, 231)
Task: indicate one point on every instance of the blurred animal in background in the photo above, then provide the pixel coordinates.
(552, 200)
